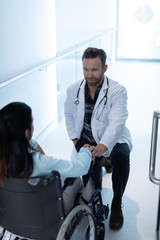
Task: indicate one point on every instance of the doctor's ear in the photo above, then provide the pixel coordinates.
(105, 68)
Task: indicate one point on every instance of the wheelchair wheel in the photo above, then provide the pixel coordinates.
(79, 224)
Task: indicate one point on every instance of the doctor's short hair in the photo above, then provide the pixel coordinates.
(95, 52)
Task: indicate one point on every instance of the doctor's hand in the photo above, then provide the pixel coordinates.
(99, 150)
(75, 141)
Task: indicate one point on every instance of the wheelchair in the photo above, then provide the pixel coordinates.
(33, 209)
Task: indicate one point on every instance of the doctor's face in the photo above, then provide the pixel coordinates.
(93, 71)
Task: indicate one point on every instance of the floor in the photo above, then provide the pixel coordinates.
(140, 200)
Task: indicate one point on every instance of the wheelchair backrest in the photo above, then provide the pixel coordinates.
(32, 208)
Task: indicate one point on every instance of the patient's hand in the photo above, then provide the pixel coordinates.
(39, 149)
(91, 149)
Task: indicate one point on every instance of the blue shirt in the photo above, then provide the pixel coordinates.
(43, 164)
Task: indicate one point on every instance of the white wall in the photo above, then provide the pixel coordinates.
(27, 29)
(139, 36)
(80, 20)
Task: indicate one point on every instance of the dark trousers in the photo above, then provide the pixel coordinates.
(97, 167)
(120, 159)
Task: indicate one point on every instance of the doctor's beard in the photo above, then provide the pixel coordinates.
(95, 82)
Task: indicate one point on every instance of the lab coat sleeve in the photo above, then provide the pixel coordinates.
(44, 164)
(117, 119)
(70, 113)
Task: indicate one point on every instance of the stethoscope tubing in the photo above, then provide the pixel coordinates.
(76, 101)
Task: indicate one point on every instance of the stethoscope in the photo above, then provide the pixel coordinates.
(76, 101)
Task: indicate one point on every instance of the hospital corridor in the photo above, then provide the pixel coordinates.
(140, 201)
(41, 48)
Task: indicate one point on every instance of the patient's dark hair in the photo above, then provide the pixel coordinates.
(15, 160)
(95, 52)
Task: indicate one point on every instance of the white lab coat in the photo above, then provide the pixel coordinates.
(108, 124)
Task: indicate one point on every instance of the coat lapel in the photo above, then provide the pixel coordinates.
(102, 93)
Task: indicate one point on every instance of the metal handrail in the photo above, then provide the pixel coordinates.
(58, 56)
(153, 150)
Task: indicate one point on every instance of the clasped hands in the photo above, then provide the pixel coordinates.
(96, 151)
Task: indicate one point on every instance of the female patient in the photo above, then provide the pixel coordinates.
(22, 157)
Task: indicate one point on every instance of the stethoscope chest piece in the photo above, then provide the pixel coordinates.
(76, 101)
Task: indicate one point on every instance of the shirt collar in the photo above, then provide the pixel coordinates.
(96, 92)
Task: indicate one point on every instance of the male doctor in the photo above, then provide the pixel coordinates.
(95, 114)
